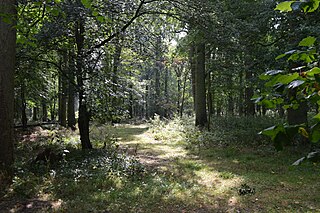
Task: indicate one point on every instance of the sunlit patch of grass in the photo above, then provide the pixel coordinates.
(173, 179)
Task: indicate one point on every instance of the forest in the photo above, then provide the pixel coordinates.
(159, 106)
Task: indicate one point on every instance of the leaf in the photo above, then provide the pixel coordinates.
(295, 84)
(280, 56)
(268, 104)
(101, 19)
(307, 42)
(284, 6)
(317, 117)
(273, 81)
(86, 3)
(310, 6)
(272, 131)
(315, 133)
(313, 71)
(55, 11)
(286, 53)
(267, 75)
(303, 132)
(273, 72)
(257, 100)
(298, 162)
(285, 79)
(280, 140)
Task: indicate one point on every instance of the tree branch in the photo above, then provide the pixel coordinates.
(124, 27)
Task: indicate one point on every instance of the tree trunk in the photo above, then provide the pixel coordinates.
(71, 100)
(209, 100)
(35, 114)
(63, 97)
(241, 95)
(115, 99)
(230, 104)
(7, 67)
(147, 108)
(84, 115)
(131, 101)
(200, 87)
(44, 111)
(193, 72)
(179, 92)
(84, 121)
(183, 94)
(166, 92)
(249, 105)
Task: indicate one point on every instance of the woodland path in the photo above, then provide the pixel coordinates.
(204, 189)
(210, 179)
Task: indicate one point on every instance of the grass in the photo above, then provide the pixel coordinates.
(164, 166)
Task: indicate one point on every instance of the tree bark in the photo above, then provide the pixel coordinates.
(249, 105)
(63, 94)
(71, 101)
(84, 115)
(183, 94)
(35, 114)
(7, 67)
(200, 87)
(193, 71)
(44, 111)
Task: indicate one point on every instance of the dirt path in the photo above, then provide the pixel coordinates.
(156, 154)
(206, 189)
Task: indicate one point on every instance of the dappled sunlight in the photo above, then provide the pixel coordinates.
(197, 180)
(143, 169)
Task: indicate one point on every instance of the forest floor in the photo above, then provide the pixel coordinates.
(169, 176)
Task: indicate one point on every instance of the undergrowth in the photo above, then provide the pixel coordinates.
(223, 131)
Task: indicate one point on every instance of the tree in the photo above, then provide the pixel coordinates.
(7, 65)
(200, 86)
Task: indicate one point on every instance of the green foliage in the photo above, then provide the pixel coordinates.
(306, 6)
(302, 81)
(285, 6)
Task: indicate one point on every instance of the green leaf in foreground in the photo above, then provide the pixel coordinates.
(86, 3)
(315, 133)
(284, 6)
(307, 42)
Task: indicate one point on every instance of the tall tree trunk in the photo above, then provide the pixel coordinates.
(35, 114)
(241, 95)
(71, 98)
(193, 71)
(183, 94)
(209, 100)
(84, 115)
(249, 105)
(7, 67)
(166, 91)
(200, 87)
(44, 111)
(230, 104)
(63, 90)
(115, 99)
(131, 101)
(147, 105)
(179, 90)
